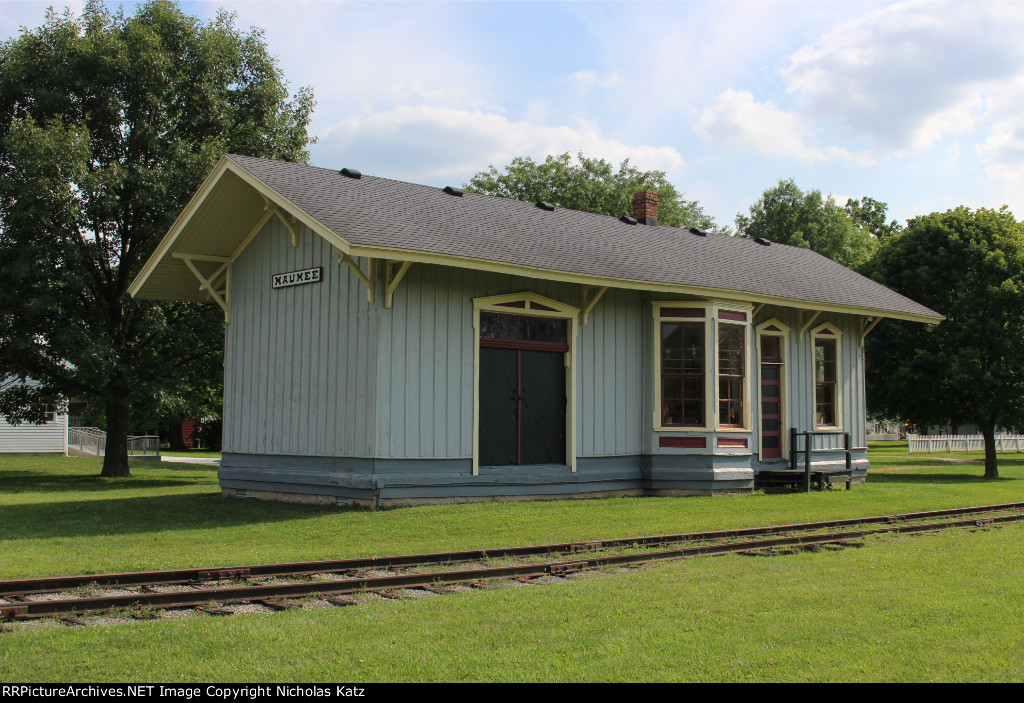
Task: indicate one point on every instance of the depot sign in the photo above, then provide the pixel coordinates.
(297, 278)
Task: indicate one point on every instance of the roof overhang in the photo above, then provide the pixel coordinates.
(232, 206)
(225, 214)
(582, 279)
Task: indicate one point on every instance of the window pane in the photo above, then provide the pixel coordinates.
(771, 348)
(693, 388)
(495, 325)
(731, 370)
(825, 382)
(671, 412)
(693, 348)
(730, 401)
(682, 373)
(694, 413)
(770, 373)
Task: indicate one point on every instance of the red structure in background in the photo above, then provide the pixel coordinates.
(188, 428)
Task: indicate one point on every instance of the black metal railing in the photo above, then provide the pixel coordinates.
(809, 449)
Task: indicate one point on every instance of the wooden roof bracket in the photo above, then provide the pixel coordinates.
(757, 309)
(289, 222)
(392, 279)
(590, 300)
(866, 325)
(368, 281)
(221, 297)
(804, 326)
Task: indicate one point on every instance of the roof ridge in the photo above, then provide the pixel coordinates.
(501, 198)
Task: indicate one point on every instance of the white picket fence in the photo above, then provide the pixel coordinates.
(883, 438)
(924, 444)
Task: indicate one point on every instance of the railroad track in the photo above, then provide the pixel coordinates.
(211, 588)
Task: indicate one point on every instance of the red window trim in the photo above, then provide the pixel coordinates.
(683, 442)
(732, 315)
(682, 375)
(740, 442)
(523, 344)
(683, 312)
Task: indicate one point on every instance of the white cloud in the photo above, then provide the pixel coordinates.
(588, 79)
(433, 144)
(912, 73)
(735, 119)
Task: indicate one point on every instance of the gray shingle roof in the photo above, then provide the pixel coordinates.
(380, 212)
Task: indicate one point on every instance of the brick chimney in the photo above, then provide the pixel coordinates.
(645, 207)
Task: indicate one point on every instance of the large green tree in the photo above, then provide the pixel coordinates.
(108, 124)
(787, 215)
(869, 215)
(969, 266)
(589, 185)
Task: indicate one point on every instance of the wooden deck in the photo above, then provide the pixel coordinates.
(789, 479)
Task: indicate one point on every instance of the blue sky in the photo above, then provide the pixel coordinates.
(918, 104)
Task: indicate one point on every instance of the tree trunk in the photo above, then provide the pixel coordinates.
(988, 431)
(115, 459)
(176, 439)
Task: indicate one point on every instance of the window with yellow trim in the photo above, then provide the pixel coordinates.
(731, 374)
(826, 376)
(701, 360)
(682, 374)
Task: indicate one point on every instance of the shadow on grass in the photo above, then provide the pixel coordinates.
(898, 476)
(126, 516)
(27, 481)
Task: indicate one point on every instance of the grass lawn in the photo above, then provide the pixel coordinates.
(896, 609)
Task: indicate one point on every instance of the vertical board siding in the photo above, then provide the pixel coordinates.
(298, 358)
(316, 370)
(425, 376)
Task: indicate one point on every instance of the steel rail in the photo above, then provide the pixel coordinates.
(29, 609)
(17, 587)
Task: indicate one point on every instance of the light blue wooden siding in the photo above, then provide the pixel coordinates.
(611, 376)
(315, 370)
(300, 362)
(425, 376)
(800, 374)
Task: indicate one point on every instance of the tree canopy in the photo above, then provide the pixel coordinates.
(787, 215)
(108, 125)
(868, 215)
(589, 185)
(969, 266)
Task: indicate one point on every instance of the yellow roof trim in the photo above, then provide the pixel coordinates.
(586, 279)
(224, 165)
(344, 246)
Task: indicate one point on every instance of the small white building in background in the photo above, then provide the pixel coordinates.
(28, 438)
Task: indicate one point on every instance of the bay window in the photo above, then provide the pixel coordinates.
(701, 366)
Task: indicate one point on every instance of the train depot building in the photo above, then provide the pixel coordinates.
(390, 343)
